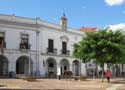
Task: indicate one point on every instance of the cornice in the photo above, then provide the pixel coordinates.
(19, 27)
(59, 30)
(21, 22)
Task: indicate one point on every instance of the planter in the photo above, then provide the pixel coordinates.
(31, 79)
(82, 78)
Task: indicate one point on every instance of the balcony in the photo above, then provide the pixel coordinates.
(24, 46)
(3, 46)
(65, 52)
(53, 51)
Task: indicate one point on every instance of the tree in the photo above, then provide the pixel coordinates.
(104, 47)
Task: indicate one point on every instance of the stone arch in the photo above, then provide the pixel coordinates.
(76, 68)
(3, 65)
(64, 65)
(22, 65)
(51, 68)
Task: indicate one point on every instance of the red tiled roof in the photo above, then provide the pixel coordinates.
(88, 29)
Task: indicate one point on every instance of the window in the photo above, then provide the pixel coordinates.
(24, 41)
(65, 67)
(64, 48)
(90, 65)
(50, 45)
(2, 40)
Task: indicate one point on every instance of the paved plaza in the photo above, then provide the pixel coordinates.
(55, 84)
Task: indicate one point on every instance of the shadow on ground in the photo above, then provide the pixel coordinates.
(119, 82)
(3, 85)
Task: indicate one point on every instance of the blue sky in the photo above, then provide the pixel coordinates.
(87, 13)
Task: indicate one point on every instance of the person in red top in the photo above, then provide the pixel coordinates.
(108, 75)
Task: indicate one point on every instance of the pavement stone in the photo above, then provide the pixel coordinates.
(55, 84)
(122, 87)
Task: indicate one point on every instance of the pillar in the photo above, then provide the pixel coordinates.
(83, 69)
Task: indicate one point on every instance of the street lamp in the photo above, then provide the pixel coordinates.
(37, 53)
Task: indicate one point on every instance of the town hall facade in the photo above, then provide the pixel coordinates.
(35, 47)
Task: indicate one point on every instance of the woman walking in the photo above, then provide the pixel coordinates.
(108, 75)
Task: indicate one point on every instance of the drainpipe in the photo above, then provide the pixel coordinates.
(29, 71)
(29, 63)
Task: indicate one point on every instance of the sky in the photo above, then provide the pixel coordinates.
(80, 13)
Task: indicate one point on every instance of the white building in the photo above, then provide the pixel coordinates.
(32, 46)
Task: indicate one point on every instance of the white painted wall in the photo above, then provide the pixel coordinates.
(13, 37)
(48, 33)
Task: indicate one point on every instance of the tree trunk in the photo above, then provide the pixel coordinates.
(102, 73)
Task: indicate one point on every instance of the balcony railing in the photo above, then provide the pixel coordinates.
(3, 46)
(65, 52)
(24, 46)
(51, 50)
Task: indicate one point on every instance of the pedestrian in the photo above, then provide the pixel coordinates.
(108, 75)
(58, 73)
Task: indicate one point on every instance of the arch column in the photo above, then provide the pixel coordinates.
(70, 67)
(58, 70)
(12, 66)
(83, 70)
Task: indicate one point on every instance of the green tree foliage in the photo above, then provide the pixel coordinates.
(103, 46)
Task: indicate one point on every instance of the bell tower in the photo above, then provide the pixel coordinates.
(63, 22)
